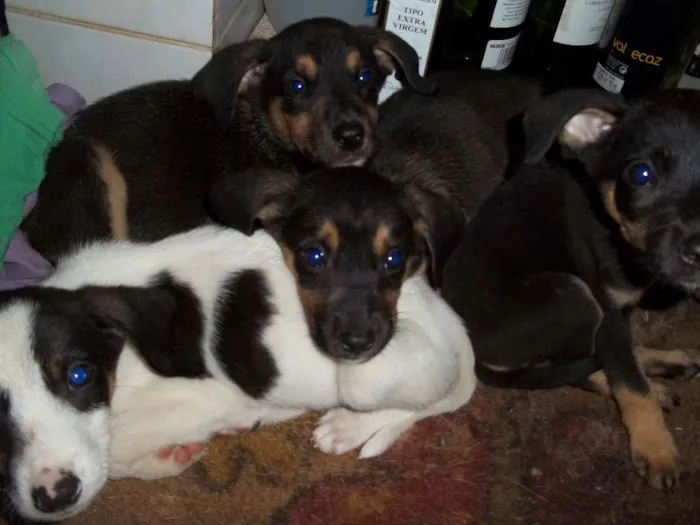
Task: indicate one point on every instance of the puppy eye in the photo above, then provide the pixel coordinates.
(296, 86)
(642, 175)
(364, 77)
(394, 260)
(315, 257)
(79, 376)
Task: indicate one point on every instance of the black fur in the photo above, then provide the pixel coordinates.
(243, 312)
(171, 139)
(539, 272)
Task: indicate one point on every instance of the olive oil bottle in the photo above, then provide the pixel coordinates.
(648, 46)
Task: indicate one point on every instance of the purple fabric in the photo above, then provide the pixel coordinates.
(23, 265)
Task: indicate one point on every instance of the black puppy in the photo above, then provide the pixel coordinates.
(459, 143)
(557, 255)
(138, 163)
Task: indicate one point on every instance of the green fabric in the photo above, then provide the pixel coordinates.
(29, 125)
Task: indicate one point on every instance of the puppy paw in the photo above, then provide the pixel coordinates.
(341, 430)
(655, 458)
(667, 398)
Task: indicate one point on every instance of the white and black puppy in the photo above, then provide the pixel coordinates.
(129, 348)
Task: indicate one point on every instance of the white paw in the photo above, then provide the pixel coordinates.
(341, 430)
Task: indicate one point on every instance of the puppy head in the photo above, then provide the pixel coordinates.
(350, 239)
(59, 354)
(316, 82)
(645, 160)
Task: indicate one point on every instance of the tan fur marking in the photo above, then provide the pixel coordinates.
(295, 127)
(352, 61)
(330, 233)
(117, 196)
(111, 385)
(653, 450)
(381, 240)
(373, 113)
(306, 65)
(625, 297)
(633, 232)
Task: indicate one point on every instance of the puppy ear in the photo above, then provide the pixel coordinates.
(142, 315)
(575, 117)
(395, 54)
(253, 198)
(230, 72)
(441, 223)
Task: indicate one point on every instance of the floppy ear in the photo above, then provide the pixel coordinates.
(395, 54)
(253, 198)
(145, 316)
(575, 117)
(441, 223)
(229, 72)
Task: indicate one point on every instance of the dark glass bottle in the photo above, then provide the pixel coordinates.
(559, 41)
(648, 46)
(482, 33)
(691, 77)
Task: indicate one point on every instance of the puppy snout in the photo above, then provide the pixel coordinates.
(349, 135)
(358, 341)
(690, 251)
(56, 491)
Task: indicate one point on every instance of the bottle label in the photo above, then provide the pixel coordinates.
(499, 53)
(509, 13)
(582, 22)
(608, 80)
(415, 22)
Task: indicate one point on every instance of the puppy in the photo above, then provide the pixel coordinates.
(460, 143)
(129, 348)
(138, 163)
(556, 257)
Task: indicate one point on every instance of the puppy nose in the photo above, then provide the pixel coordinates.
(690, 251)
(59, 495)
(349, 135)
(357, 341)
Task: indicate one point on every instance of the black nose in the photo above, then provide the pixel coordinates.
(65, 492)
(349, 135)
(690, 251)
(357, 341)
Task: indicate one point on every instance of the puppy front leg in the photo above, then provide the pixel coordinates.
(172, 411)
(654, 452)
(341, 430)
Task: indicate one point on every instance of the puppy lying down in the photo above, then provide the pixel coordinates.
(218, 315)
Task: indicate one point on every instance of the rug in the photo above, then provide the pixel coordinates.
(509, 458)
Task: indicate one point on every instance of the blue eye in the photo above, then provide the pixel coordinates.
(297, 86)
(78, 376)
(315, 257)
(394, 260)
(365, 77)
(641, 175)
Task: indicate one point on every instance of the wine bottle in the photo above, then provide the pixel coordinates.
(481, 33)
(647, 45)
(559, 40)
(416, 21)
(691, 77)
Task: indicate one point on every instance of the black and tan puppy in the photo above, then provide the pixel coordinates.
(137, 164)
(557, 255)
(460, 142)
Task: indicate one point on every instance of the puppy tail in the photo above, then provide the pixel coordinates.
(539, 378)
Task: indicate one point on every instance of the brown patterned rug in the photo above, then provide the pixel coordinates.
(511, 457)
